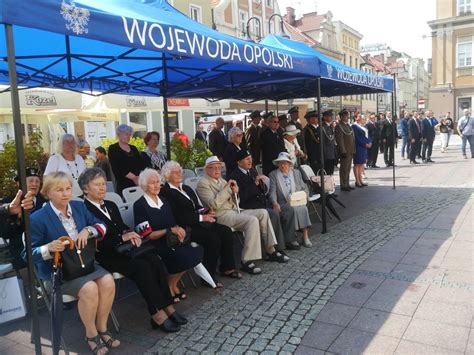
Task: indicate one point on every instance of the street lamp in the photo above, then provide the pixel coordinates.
(282, 28)
(247, 27)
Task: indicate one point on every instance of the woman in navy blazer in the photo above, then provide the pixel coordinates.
(95, 291)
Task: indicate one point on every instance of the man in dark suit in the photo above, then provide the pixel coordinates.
(428, 135)
(200, 134)
(414, 136)
(374, 135)
(217, 139)
(389, 135)
(252, 195)
(311, 140)
(252, 136)
(271, 143)
(329, 142)
(380, 123)
(293, 114)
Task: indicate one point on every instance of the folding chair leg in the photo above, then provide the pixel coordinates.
(114, 321)
(192, 279)
(337, 201)
(181, 284)
(315, 210)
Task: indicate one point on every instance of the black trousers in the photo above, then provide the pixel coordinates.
(216, 240)
(149, 273)
(427, 149)
(388, 153)
(373, 154)
(414, 147)
(329, 165)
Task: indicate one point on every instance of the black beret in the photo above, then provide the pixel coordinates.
(293, 109)
(310, 114)
(241, 154)
(29, 172)
(254, 114)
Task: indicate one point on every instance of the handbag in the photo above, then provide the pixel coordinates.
(172, 240)
(78, 262)
(329, 185)
(298, 198)
(131, 251)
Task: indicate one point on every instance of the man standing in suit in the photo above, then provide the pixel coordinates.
(374, 135)
(346, 148)
(201, 134)
(271, 143)
(311, 140)
(293, 114)
(389, 136)
(253, 195)
(217, 140)
(428, 135)
(414, 136)
(252, 136)
(329, 142)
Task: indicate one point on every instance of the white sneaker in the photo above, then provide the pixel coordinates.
(307, 243)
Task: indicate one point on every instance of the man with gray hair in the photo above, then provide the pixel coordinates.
(466, 131)
(217, 141)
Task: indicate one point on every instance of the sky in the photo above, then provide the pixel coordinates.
(399, 23)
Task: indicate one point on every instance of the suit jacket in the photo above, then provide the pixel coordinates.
(329, 142)
(427, 129)
(215, 195)
(374, 132)
(278, 190)
(271, 144)
(184, 209)
(230, 153)
(46, 227)
(345, 138)
(252, 137)
(107, 256)
(414, 129)
(312, 143)
(389, 131)
(250, 195)
(202, 135)
(217, 142)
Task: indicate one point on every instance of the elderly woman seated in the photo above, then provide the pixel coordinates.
(140, 262)
(284, 182)
(233, 147)
(95, 290)
(215, 238)
(157, 212)
(221, 196)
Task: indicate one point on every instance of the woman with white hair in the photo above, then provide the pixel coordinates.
(68, 161)
(216, 239)
(165, 232)
(235, 135)
(292, 146)
(125, 159)
(285, 181)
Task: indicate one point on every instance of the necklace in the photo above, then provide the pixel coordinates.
(69, 166)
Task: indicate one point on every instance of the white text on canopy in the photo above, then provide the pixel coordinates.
(177, 40)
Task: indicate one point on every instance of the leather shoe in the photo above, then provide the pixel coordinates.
(293, 246)
(351, 188)
(429, 161)
(178, 319)
(345, 189)
(375, 166)
(168, 326)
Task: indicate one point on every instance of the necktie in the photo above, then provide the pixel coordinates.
(248, 174)
(103, 207)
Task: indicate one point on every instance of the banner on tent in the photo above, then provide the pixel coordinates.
(358, 78)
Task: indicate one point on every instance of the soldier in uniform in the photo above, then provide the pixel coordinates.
(294, 120)
(329, 142)
(252, 135)
(346, 148)
(311, 140)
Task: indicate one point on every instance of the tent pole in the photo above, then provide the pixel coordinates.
(164, 94)
(276, 104)
(21, 173)
(266, 105)
(394, 113)
(321, 171)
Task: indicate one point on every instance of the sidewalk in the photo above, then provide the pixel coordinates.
(394, 276)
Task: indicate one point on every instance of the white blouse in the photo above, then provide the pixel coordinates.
(74, 168)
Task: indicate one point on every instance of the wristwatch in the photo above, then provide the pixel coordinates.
(91, 231)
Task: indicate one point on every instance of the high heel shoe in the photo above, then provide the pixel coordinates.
(178, 318)
(168, 326)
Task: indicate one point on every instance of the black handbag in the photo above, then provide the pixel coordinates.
(78, 262)
(129, 250)
(172, 240)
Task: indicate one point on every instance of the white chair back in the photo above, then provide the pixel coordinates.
(115, 198)
(192, 182)
(188, 173)
(259, 169)
(199, 171)
(307, 172)
(110, 186)
(126, 211)
(131, 194)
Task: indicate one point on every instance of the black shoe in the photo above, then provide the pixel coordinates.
(278, 257)
(375, 166)
(345, 189)
(178, 319)
(168, 326)
(293, 246)
(351, 188)
(414, 162)
(430, 161)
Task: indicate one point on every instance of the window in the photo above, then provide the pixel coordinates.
(138, 121)
(243, 18)
(269, 3)
(173, 122)
(257, 25)
(464, 7)
(350, 61)
(195, 12)
(464, 52)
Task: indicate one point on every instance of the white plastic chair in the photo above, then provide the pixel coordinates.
(308, 173)
(188, 173)
(199, 171)
(259, 169)
(126, 211)
(192, 182)
(115, 198)
(110, 186)
(131, 194)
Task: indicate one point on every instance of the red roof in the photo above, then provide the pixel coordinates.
(297, 35)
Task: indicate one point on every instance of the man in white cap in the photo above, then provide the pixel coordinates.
(222, 197)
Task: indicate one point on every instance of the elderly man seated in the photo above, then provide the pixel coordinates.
(253, 194)
(221, 196)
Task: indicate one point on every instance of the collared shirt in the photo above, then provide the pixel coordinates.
(466, 124)
(99, 206)
(180, 189)
(152, 202)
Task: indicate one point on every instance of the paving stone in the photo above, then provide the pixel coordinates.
(379, 322)
(354, 341)
(336, 313)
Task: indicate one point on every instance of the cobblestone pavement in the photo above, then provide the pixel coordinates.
(272, 312)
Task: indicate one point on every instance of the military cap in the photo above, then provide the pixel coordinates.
(254, 114)
(266, 114)
(241, 154)
(328, 113)
(31, 171)
(282, 117)
(310, 114)
(343, 112)
(293, 109)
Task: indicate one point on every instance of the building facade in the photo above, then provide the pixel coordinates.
(452, 88)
